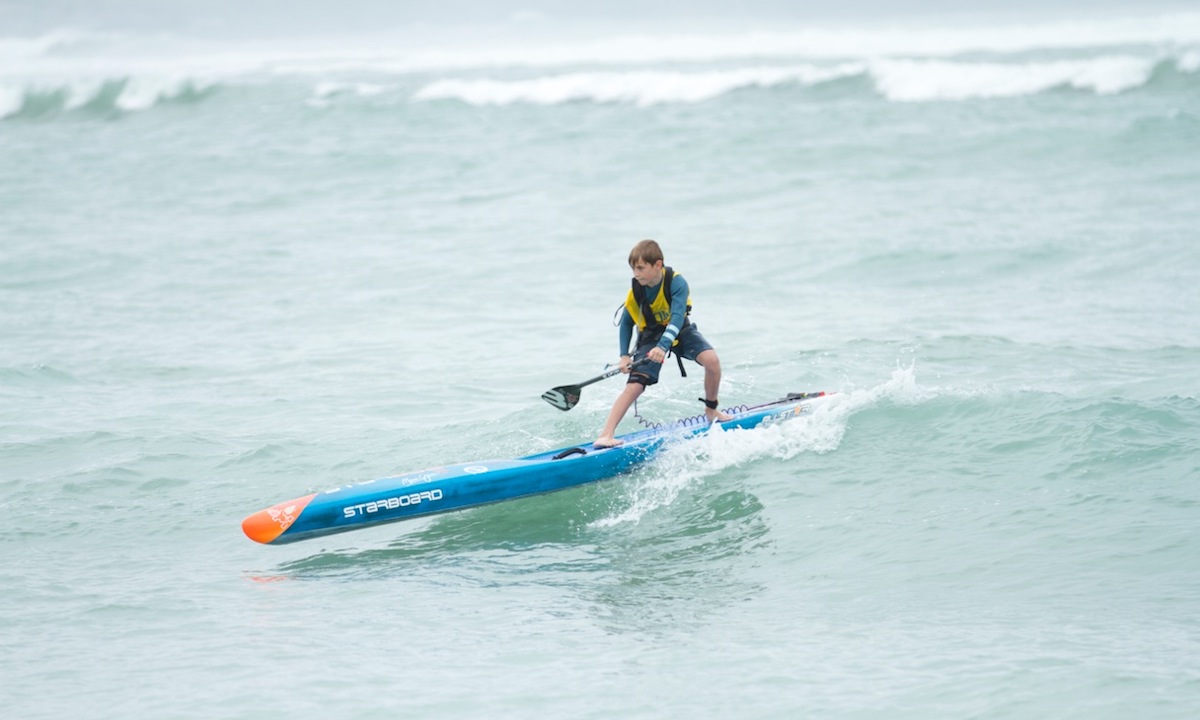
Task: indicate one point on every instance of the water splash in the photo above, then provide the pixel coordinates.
(682, 465)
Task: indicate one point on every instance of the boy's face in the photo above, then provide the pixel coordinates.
(646, 274)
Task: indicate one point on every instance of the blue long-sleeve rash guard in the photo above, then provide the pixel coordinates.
(679, 298)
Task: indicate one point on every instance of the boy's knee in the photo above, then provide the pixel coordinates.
(709, 360)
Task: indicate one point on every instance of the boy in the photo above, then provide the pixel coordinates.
(658, 304)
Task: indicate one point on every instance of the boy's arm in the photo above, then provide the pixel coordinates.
(679, 298)
(625, 333)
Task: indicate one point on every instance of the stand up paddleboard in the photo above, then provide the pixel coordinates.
(457, 487)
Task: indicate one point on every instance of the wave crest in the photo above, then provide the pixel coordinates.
(916, 80)
(124, 95)
(638, 87)
(895, 80)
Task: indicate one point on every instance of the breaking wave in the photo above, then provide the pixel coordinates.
(99, 96)
(896, 80)
(73, 71)
(638, 87)
(924, 80)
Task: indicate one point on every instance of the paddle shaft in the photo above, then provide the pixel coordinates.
(598, 378)
(564, 397)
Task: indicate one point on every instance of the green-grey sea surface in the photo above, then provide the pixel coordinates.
(224, 288)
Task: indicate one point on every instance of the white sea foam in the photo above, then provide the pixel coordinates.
(916, 80)
(898, 80)
(681, 465)
(637, 87)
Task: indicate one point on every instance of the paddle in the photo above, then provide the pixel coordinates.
(565, 397)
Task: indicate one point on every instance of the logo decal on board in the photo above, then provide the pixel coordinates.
(284, 516)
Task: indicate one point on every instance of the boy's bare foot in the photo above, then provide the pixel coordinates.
(607, 442)
(715, 415)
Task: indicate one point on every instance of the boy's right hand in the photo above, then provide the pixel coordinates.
(626, 363)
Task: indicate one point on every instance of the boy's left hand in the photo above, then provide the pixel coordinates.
(658, 355)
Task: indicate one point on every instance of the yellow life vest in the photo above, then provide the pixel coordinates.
(656, 313)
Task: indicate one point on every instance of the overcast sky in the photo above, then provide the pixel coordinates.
(248, 18)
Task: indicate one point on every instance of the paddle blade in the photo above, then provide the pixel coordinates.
(563, 397)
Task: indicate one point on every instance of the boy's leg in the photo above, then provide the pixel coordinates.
(712, 383)
(623, 402)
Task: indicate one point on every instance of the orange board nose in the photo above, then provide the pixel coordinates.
(266, 525)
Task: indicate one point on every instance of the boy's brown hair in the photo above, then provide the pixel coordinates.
(646, 251)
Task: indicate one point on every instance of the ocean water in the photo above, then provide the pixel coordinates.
(233, 272)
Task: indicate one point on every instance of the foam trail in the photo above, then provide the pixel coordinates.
(681, 465)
